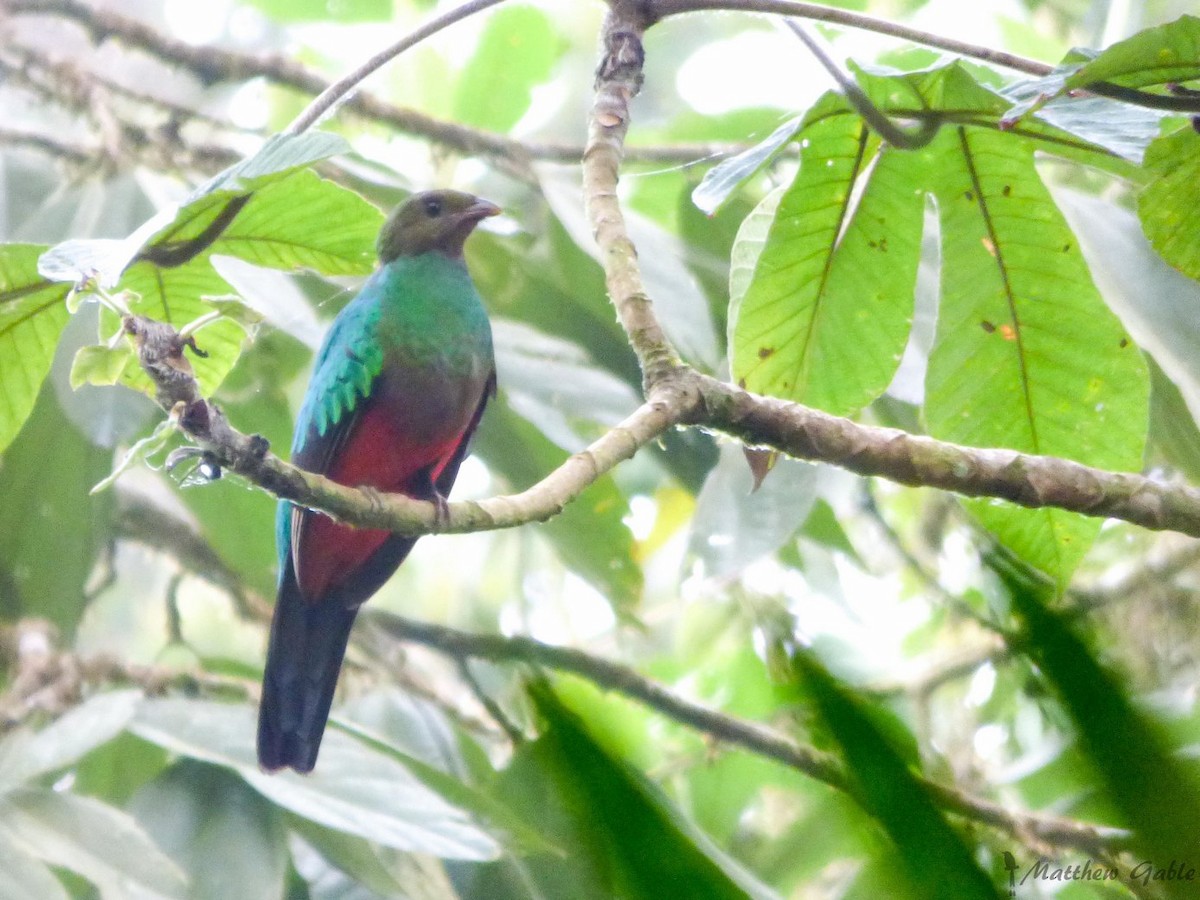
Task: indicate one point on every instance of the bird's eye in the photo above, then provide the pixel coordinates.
(433, 207)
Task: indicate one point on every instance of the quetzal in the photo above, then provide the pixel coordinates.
(398, 386)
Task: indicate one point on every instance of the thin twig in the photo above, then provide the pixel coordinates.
(875, 117)
(340, 88)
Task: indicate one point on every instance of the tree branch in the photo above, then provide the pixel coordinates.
(212, 65)
(750, 736)
(618, 79)
(660, 9)
(161, 353)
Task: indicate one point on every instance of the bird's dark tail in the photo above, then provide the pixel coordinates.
(308, 641)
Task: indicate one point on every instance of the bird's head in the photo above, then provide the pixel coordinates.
(432, 221)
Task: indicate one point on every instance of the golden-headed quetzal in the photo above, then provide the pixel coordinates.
(398, 387)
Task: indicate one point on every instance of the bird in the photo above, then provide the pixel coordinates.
(398, 387)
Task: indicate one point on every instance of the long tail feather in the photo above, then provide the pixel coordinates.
(308, 642)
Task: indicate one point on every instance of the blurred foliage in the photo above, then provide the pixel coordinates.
(1024, 281)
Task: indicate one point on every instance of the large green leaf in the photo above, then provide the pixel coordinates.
(1163, 55)
(1169, 207)
(32, 316)
(937, 860)
(201, 814)
(50, 529)
(1155, 791)
(626, 839)
(354, 788)
(103, 844)
(176, 296)
(516, 53)
(826, 316)
(268, 210)
(303, 221)
(1027, 356)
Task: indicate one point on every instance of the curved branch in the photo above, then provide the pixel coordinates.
(894, 134)
(819, 13)
(161, 353)
(751, 736)
(662, 8)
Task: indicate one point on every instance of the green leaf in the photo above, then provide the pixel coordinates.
(104, 845)
(26, 754)
(354, 789)
(825, 318)
(626, 839)
(47, 515)
(175, 296)
(324, 11)
(228, 839)
(955, 92)
(1160, 307)
(722, 179)
(590, 535)
(1169, 207)
(939, 863)
(301, 221)
(279, 155)
(267, 210)
(1162, 55)
(100, 364)
(516, 53)
(32, 316)
(116, 770)
(1026, 356)
(1156, 794)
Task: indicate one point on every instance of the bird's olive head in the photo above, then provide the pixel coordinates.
(432, 220)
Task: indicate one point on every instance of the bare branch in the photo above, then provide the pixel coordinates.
(161, 352)
(618, 79)
(662, 8)
(819, 13)
(751, 736)
(214, 64)
(1021, 478)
